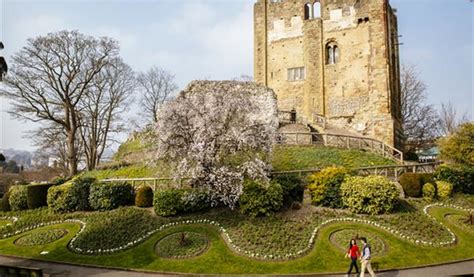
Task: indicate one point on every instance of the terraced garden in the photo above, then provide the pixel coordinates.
(307, 240)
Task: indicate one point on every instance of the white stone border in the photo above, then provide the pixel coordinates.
(236, 248)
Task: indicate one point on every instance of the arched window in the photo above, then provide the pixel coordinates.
(308, 11)
(317, 10)
(332, 53)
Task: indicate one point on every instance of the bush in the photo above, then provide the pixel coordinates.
(144, 197)
(108, 196)
(37, 195)
(18, 198)
(371, 194)
(292, 186)
(325, 186)
(429, 192)
(444, 189)
(71, 196)
(459, 146)
(260, 199)
(412, 184)
(168, 202)
(5, 205)
(462, 177)
(58, 180)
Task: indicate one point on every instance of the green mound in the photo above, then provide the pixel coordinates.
(341, 239)
(295, 157)
(41, 237)
(182, 245)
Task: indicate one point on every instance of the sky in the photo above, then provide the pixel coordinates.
(213, 39)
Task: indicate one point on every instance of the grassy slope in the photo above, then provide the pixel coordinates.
(284, 158)
(324, 257)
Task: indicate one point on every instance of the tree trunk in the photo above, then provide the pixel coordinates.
(72, 152)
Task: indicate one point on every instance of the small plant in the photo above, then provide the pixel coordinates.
(107, 196)
(325, 186)
(371, 194)
(18, 199)
(429, 192)
(412, 184)
(444, 189)
(168, 202)
(260, 198)
(144, 197)
(469, 219)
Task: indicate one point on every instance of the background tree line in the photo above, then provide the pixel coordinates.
(79, 88)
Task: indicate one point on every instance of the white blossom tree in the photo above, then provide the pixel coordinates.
(218, 133)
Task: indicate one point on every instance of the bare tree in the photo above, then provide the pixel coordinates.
(102, 107)
(450, 119)
(49, 77)
(156, 86)
(419, 119)
(51, 141)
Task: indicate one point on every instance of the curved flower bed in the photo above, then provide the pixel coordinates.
(247, 253)
(341, 238)
(41, 237)
(173, 246)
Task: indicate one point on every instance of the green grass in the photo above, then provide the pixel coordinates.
(293, 157)
(324, 257)
(174, 246)
(284, 157)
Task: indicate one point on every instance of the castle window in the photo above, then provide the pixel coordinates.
(332, 53)
(317, 10)
(296, 74)
(308, 11)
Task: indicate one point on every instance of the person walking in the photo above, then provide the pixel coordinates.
(353, 253)
(365, 259)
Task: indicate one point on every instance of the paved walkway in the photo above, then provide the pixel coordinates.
(57, 269)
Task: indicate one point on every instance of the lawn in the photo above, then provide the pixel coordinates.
(263, 233)
(284, 157)
(294, 157)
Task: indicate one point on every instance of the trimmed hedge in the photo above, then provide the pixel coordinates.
(37, 195)
(107, 196)
(5, 205)
(260, 199)
(18, 198)
(462, 177)
(144, 197)
(444, 189)
(174, 201)
(168, 202)
(292, 186)
(325, 186)
(412, 183)
(370, 195)
(429, 192)
(71, 196)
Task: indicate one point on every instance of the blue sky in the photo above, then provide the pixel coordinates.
(213, 39)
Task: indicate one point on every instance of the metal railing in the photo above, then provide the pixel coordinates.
(390, 171)
(341, 141)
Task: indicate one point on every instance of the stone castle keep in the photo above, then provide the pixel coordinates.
(333, 59)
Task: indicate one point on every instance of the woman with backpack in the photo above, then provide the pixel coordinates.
(353, 253)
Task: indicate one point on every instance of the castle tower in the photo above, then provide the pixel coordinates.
(334, 58)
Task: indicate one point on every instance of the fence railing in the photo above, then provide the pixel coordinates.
(342, 141)
(390, 171)
(154, 183)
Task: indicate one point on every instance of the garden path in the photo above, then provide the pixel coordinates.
(465, 268)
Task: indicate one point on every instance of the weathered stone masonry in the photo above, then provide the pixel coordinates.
(336, 58)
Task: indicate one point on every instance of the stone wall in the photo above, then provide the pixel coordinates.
(361, 91)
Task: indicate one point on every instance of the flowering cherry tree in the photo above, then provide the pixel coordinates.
(217, 133)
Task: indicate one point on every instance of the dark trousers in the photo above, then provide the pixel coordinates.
(353, 263)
